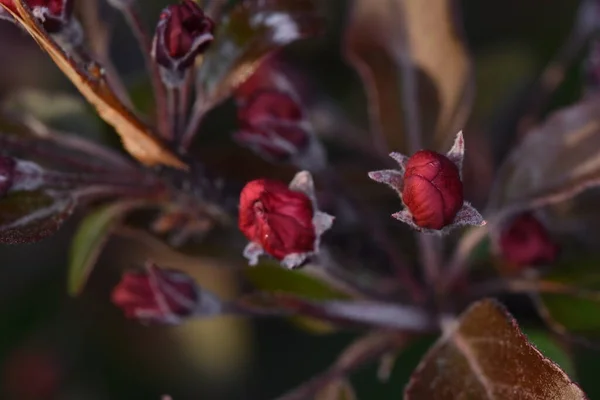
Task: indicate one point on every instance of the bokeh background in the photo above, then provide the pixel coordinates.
(56, 347)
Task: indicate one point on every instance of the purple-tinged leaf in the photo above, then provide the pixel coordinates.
(252, 30)
(27, 217)
(485, 356)
(385, 39)
(556, 161)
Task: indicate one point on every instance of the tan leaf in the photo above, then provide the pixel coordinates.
(485, 356)
(384, 34)
(137, 138)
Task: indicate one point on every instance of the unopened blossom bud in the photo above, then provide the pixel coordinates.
(7, 174)
(183, 32)
(53, 14)
(430, 186)
(526, 242)
(272, 125)
(162, 296)
(433, 191)
(282, 221)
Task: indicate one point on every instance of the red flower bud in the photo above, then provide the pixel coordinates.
(277, 218)
(272, 125)
(183, 32)
(156, 295)
(53, 14)
(433, 191)
(7, 174)
(526, 242)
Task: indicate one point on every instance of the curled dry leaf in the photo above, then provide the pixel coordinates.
(251, 31)
(384, 35)
(485, 356)
(137, 138)
(556, 161)
(27, 217)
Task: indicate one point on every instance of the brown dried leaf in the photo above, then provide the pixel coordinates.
(137, 138)
(487, 357)
(556, 161)
(384, 34)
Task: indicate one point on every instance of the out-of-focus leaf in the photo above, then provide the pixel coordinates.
(556, 161)
(251, 31)
(384, 35)
(27, 217)
(340, 389)
(89, 240)
(137, 138)
(576, 314)
(543, 341)
(485, 356)
(274, 279)
(60, 110)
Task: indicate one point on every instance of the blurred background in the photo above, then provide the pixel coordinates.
(56, 347)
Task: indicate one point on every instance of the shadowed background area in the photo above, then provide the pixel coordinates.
(53, 346)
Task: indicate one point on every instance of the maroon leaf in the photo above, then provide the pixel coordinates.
(251, 31)
(556, 161)
(485, 356)
(27, 217)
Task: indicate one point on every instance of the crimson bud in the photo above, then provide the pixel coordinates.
(433, 191)
(183, 32)
(525, 241)
(430, 186)
(272, 125)
(163, 296)
(53, 14)
(282, 221)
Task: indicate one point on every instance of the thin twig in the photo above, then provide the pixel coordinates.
(399, 262)
(534, 286)
(362, 352)
(145, 42)
(459, 261)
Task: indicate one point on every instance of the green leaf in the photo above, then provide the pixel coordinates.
(252, 30)
(484, 355)
(578, 311)
(89, 240)
(27, 217)
(272, 278)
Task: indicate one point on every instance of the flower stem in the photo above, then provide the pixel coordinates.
(142, 36)
(429, 245)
